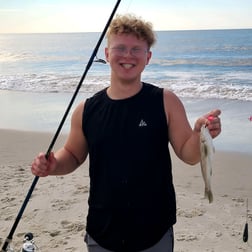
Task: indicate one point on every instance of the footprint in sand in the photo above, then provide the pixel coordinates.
(73, 227)
(190, 213)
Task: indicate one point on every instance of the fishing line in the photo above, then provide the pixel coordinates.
(129, 5)
(36, 178)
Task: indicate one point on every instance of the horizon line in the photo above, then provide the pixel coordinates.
(170, 30)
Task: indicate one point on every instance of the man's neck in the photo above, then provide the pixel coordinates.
(122, 90)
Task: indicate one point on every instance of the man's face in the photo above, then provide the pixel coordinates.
(127, 56)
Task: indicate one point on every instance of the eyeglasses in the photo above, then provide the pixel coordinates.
(135, 51)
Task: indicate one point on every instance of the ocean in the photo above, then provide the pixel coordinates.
(206, 69)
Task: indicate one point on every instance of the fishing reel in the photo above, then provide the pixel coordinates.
(28, 244)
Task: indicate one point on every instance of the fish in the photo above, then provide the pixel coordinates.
(206, 159)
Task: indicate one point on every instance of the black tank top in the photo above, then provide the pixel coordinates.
(132, 199)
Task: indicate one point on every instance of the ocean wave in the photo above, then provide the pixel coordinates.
(184, 84)
(202, 62)
(50, 83)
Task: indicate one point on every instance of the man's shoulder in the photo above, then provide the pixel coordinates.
(152, 87)
(96, 96)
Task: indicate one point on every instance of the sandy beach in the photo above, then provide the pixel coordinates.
(57, 210)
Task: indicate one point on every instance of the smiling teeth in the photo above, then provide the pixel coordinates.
(127, 66)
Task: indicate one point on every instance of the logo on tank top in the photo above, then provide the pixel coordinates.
(142, 123)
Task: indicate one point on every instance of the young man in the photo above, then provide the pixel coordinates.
(126, 129)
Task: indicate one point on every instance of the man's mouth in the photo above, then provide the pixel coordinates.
(127, 66)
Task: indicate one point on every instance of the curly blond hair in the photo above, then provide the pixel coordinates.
(130, 24)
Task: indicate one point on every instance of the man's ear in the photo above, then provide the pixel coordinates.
(149, 54)
(107, 54)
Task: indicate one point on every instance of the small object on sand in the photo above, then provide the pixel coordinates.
(245, 232)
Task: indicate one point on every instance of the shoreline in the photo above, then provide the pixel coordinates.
(56, 213)
(42, 112)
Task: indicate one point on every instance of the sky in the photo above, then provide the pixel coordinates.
(36, 16)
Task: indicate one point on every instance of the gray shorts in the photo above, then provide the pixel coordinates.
(166, 244)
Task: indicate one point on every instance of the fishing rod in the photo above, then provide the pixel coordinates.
(36, 178)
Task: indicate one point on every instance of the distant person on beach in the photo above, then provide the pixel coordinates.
(125, 129)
